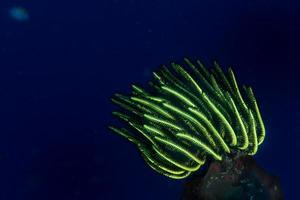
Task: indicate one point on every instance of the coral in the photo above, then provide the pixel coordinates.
(188, 115)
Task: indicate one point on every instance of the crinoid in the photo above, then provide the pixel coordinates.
(190, 114)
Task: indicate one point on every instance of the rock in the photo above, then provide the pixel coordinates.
(233, 179)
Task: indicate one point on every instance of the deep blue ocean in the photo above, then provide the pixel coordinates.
(61, 61)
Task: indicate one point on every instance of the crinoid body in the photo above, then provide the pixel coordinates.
(190, 114)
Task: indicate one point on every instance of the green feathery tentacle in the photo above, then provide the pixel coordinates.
(189, 114)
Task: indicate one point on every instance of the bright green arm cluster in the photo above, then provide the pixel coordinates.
(188, 114)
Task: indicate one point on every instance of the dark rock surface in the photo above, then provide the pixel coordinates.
(233, 179)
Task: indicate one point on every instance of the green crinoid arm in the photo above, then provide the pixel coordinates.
(187, 114)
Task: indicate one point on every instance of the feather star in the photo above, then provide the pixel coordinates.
(190, 114)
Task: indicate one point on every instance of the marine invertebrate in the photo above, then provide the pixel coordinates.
(190, 114)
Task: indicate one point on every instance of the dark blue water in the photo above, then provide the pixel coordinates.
(60, 66)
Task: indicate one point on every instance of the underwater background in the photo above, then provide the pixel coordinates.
(61, 61)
